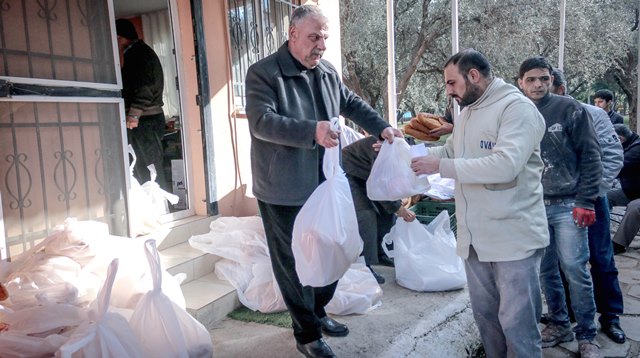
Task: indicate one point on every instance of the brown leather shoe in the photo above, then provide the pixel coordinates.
(333, 328)
(317, 348)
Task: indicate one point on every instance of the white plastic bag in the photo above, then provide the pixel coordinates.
(325, 238)
(425, 256)
(391, 176)
(105, 334)
(163, 328)
(262, 293)
(242, 244)
(142, 212)
(358, 292)
(158, 196)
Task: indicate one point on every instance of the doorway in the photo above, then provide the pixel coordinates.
(154, 25)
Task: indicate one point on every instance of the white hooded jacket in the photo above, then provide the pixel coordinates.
(494, 156)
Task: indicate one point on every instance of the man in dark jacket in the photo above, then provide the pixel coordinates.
(291, 95)
(142, 86)
(375, 218)
(571, 178)
(606, 287)
(629, 176)
(604, 99)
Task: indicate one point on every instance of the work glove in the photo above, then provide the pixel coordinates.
(583, 217)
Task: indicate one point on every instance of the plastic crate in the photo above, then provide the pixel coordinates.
(427, 210)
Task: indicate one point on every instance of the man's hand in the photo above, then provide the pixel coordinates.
(446, 128)
(389, 133)
(132, 122)
(325, 136)
(583, 217)
(406, 214)
(427, 164)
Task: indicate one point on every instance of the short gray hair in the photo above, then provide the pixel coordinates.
(304, 11)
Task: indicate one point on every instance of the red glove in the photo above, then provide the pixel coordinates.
(583, 217)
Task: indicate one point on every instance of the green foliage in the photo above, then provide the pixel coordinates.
(599, 44)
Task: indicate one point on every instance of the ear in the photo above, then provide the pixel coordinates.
(292, 32)
(473, 75)
(520, 83)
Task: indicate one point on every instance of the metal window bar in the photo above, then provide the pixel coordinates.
(61, 138)
(59, 22)
(61, 159)
(256, 29)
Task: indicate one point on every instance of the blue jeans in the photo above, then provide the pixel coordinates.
(569, 250)
(506, 302)
(603, 267)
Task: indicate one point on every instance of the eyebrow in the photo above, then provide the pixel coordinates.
(542, 78)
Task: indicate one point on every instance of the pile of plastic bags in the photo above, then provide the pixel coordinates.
(245, 263)
(84, 293)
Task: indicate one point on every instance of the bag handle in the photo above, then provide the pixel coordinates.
(331, 159)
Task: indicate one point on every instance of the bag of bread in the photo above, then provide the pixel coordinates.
(391, 176)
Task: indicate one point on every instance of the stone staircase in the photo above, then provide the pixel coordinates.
(208, 298)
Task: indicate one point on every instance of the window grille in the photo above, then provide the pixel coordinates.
(256, 29)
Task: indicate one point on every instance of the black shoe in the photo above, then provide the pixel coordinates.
(385, 260)
(317, 348)
(378, 277)
(332, 328)
(615, 332)
(544, 319)
(618, 249)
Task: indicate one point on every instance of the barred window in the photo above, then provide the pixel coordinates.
(256, 29)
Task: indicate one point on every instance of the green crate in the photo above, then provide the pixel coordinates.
(427, 210)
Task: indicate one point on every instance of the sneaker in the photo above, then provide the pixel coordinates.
(589, 349)
(552, 335)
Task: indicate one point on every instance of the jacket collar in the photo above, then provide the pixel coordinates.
(632, 141)
(545, 100)
(288, 65)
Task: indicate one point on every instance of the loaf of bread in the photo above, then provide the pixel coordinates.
(420, 126)
(4, 294)
(429, 120)
(418, 134)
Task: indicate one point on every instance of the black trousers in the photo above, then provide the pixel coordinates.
(305, 303)
(146, 140)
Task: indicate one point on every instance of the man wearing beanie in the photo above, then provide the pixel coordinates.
(142, 86)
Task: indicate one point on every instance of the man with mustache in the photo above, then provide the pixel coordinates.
(494, 156)
(291, 95)
(571, 180)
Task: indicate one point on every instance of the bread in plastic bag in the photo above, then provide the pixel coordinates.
(425, 256)
(325, 240)
(391, 176)
(358, 292)
(163, 328)
(105, 334)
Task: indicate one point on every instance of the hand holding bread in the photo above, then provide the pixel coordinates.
(420, 126)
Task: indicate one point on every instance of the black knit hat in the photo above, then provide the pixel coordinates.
(126, 29)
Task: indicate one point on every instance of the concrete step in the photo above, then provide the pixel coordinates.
(208, 298)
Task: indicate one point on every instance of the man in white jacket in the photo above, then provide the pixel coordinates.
(494, 156)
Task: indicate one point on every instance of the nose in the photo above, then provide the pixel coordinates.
(321, 44)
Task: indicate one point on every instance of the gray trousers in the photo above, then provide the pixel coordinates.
(507, 304)
(629, 225)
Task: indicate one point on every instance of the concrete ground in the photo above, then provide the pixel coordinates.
(420, 324)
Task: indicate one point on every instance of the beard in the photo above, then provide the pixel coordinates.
(471, 94)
